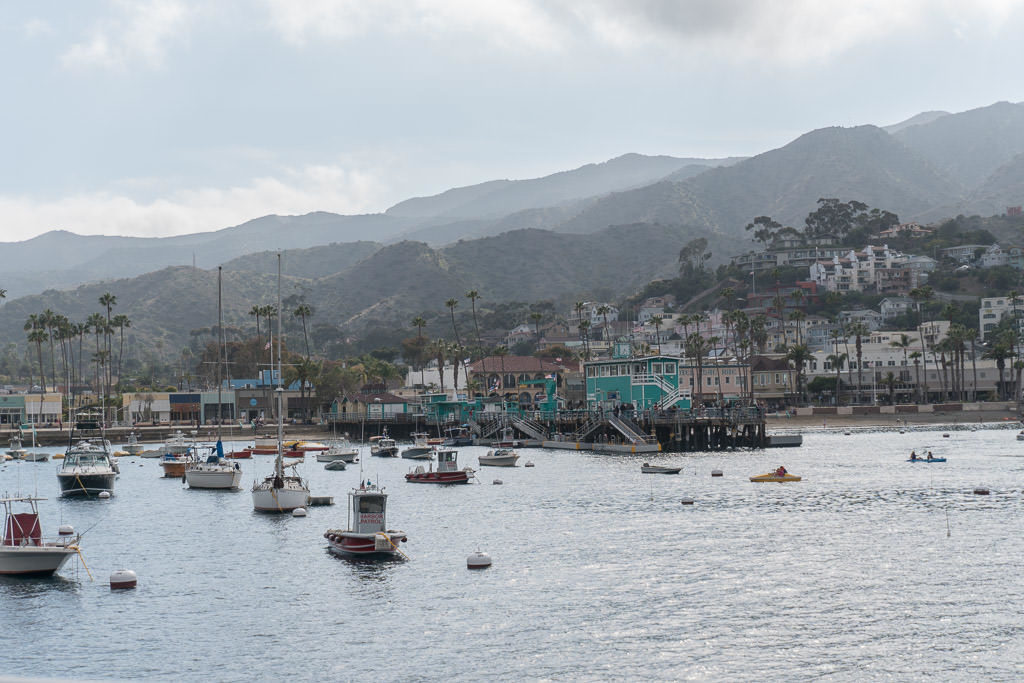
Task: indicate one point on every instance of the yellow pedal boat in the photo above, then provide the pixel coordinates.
(771, 476)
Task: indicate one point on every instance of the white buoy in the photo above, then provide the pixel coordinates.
(529, 463)
(65, 530)
(716, 473)
(497, 482)
(478, 560)
(981, 491)
(123, 578)
(104, 494)
(299, 512)
(687, 501)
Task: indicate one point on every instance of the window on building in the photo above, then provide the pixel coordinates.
(670, 368)
(656, 368)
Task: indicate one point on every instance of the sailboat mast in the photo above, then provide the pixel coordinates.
(220, 355)
(280, 389)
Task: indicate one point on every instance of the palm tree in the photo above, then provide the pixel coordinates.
(121, 321)
(798, 355)
(438, 348)
(697, 348)
(902, 343)
(1000, 351)
(603, 310)
(890, 382)
(859, 330)
(256, 311)
(1018, 365)
(304, 311)
(657, 320)
(535, 318)
(419, 323)
(501, 352)
(837, 360)
(915, 356)
(921, 295)
(473, 295)
(49, 323)
(108, 301)
(798, 317)
(584, 328)
(37, 336)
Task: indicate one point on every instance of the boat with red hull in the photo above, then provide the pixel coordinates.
(447, 471)
(367, 535)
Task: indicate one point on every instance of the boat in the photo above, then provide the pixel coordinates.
(175, 456)
(775, 477)
(87, 470)
(367, 534)
(420, 449)
(214, 472)
(1020, 435)
(306, 446)
(926, 460)
(33, 456)
(133, 447)
(447, 471)
(383, 446)
(16, 450)
(264, 446)
(24, 551)
(659, 469)
(499, 457)
(280, 492)
(335, 465)
(339, 450)
(508, 439)
(458, 436)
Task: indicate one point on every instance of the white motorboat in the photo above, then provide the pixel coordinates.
(367, 534)
(1020, 436)
(335, 465)
(16, 450)
(383, 446)
(35, 456)
(420, 449)
(499, 457)
(87, 469)
(340, 450)
(659, 469)
(279, 492)
(24, 551)
(133, 447)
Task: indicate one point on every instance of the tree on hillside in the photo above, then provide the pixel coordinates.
(535, 318)
(693, 255)
(764, 228)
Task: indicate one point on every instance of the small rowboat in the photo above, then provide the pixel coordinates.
(658, 469)
(771, 476)
(926, 460)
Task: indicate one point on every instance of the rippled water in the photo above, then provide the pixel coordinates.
(599, 572)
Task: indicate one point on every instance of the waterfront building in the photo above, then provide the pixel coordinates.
(994, 309)
(35, 408)
(647, 383)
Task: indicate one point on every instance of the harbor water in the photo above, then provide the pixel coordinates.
(870, 567)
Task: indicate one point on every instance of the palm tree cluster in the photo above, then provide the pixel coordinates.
(53, 329)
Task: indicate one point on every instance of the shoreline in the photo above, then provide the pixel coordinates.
(990, 419)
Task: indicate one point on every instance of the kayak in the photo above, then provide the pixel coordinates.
(927, 460)
(771, 476)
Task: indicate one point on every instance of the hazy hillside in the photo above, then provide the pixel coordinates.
(862, 163)
(915, 120)
(500, 198)
(64, 260)
(313, 262)
(971, 145)
(1003, 188)
(390, 285)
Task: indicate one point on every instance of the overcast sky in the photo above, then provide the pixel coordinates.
(172, 116)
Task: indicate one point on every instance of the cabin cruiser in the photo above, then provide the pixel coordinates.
(88, 469)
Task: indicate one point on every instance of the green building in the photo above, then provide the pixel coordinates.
(648, 383)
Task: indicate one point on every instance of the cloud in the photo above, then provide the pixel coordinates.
(138, 32)
(313, 188)
(785, 31)
(36, 28)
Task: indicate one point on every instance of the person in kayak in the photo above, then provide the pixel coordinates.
(913, 455)
(929, 455)
(781, 472)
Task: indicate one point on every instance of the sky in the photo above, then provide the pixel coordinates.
(169, 117)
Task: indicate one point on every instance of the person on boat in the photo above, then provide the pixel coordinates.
(913, 455)
(929, 455)
(781, 472)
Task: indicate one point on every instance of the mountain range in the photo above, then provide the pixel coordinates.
(604, 228)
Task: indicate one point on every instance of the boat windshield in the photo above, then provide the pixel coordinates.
(371, 504)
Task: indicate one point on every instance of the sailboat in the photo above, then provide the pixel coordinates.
(280, 492)
(215, 472)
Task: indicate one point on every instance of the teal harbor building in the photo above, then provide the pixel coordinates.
(646, 383)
